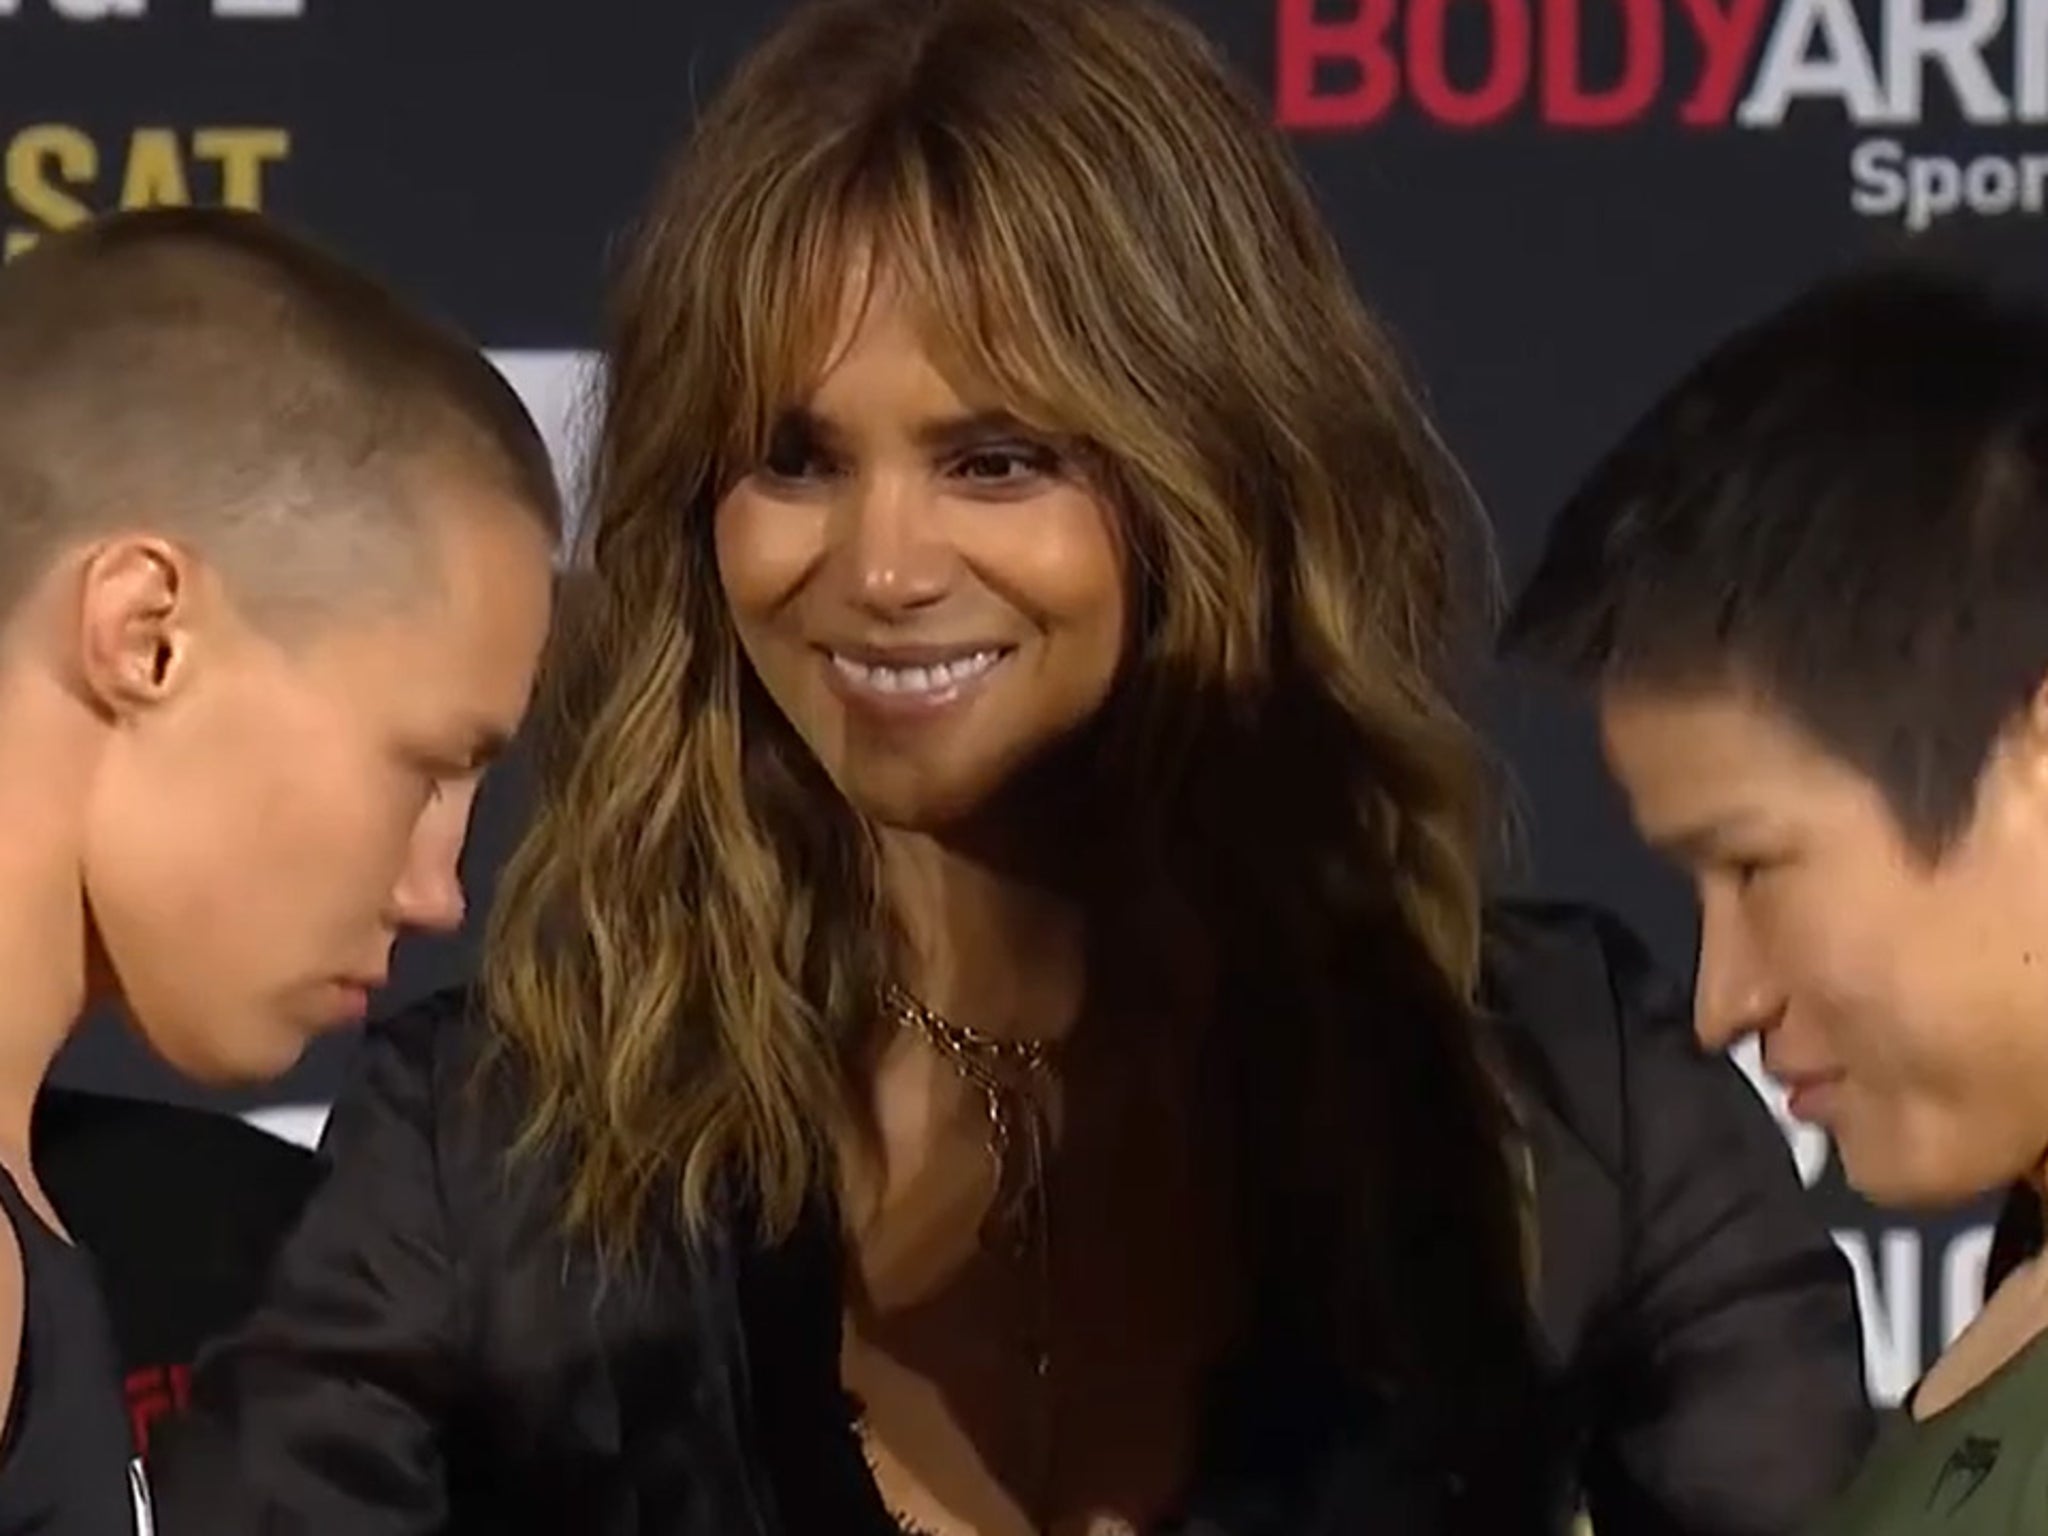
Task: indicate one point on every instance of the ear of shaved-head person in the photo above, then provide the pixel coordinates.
(276, 568)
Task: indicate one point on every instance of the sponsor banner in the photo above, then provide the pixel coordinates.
(560, 389)
(1944, 102)
(57, 174)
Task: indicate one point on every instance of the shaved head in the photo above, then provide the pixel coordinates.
(205, 375)
(275, 577)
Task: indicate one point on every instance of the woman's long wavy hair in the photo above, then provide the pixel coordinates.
(1098, 224)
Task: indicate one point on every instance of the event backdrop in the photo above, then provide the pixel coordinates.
(1556, 203)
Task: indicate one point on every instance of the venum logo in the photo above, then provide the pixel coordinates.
(1346, 65)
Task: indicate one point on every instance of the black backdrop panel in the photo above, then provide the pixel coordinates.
(1556, 203)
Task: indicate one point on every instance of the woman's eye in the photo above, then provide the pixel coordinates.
(794, 461)
(795, 451)
(1007, 464)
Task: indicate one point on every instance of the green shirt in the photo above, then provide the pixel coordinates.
(1977, 1468)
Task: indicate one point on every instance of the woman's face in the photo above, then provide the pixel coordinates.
(931, 592)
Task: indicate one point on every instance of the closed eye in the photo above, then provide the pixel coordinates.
(1747, 870)
(441, 770)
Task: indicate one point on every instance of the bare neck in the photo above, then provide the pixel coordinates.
(44, 934)
(990, 947)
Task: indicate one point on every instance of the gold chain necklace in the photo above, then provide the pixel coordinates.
(1011, 1077)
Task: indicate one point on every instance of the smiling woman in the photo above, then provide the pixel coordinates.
(1043, 483)
(931, 593)
(984, 1024)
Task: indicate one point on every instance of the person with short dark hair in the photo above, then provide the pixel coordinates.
(275, 572)
(1810, 590)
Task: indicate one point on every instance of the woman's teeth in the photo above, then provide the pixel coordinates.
(935, 677)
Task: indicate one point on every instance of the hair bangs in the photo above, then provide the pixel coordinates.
(980, 308)
(786, 299)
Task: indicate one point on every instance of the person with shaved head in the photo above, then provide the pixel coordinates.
(275, 573)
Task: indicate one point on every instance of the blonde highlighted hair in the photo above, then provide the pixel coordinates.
(1098, 224)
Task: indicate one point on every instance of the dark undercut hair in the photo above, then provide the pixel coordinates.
(1842, 510)
(206, 374)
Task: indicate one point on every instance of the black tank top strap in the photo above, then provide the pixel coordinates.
(67, 1457)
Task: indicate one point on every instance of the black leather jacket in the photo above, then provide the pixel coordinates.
(432, 1356)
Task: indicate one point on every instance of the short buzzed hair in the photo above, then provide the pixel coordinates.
(208, 374)
(1843, 509)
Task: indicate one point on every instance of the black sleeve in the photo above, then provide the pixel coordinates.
(323, 1413)
(182, 1210)
(1720, 1363)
